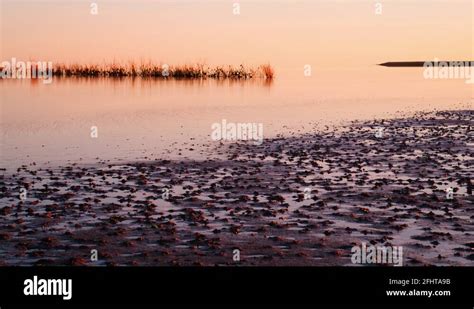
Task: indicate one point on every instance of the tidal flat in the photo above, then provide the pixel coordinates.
(301, 200)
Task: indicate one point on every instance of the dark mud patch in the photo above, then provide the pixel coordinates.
(290, 201)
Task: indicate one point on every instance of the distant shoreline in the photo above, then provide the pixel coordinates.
(422, 63)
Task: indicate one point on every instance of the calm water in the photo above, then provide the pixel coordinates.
(156, 118)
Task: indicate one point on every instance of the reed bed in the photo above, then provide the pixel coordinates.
(151, 70)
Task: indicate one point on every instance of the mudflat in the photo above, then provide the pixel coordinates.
(304, 200)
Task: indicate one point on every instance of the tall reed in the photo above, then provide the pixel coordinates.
(153, 70)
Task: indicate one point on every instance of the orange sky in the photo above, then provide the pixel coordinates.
(288, 34)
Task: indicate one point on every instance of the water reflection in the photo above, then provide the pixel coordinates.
(155, 117)
(163, 82)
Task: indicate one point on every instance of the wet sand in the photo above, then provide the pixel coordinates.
(384, 191)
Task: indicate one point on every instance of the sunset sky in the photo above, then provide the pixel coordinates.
(285, 33)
